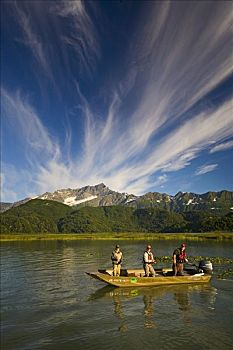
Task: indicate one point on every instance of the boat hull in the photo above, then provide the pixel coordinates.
(158, 280)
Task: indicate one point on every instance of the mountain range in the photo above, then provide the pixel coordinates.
(101, 196)
(99, 209)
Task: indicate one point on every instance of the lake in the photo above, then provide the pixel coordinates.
(48, 302)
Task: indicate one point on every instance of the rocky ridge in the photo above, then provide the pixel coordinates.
(101, 195)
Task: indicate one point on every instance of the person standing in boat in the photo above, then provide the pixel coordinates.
(116, 260)
(179, 258)
(148, 261)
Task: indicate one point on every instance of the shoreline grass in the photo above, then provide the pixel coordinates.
(116, 236)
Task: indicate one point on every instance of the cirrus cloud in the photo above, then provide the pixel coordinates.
(206, 169)
(222, 147)
(178, 54)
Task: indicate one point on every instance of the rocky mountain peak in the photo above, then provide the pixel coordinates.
(101, 195)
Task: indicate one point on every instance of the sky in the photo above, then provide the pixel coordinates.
(133, 94)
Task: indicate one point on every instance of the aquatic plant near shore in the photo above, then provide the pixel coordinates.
(192, 259)
(226, 273)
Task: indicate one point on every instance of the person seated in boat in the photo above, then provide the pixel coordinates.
(179, 258)
(116, 260)
(148, 261)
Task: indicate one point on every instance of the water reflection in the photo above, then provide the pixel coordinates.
(148, 311)
(183, 301)
(118, 311)
(182, 298)
(188, 299)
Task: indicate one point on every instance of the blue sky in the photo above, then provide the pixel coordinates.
(137, 95)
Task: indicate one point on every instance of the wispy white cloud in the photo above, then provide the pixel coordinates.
(16, 183)
(187, 141)
(171, 81)
(206, 169)
(83, 37)
(32, 39)
(178, 55)
(138, 185)
(174, 151)
(161, 180)
(222, 147)
(18, 111)
(40, 151)
(45, 26)
(181, 161)
(179, 147)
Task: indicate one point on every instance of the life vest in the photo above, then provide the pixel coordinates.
(114, 258)
(150, 257)
(181, 256)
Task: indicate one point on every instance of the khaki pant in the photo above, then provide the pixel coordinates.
(178, 269)
(116, 269)
(149, 269)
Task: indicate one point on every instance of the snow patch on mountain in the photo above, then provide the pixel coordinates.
(130, 200)
(44, 197)
(73, 201)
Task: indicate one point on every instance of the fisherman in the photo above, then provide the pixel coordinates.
(148, 261)
(116, 260)
(179, 258)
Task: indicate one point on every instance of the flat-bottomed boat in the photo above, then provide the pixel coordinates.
(136, 277)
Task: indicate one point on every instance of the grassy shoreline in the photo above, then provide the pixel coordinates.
(116, 236)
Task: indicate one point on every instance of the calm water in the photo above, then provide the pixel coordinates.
(47, 301)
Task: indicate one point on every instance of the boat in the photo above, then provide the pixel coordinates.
(136, 277)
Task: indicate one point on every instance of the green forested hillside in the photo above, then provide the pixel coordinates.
(157, 220)
(100, 219)
(41, 216)
(204, 221)
(34, 216)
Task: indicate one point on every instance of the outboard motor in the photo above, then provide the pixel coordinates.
(206, 266)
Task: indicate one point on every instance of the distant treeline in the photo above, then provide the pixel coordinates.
(41, 216)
